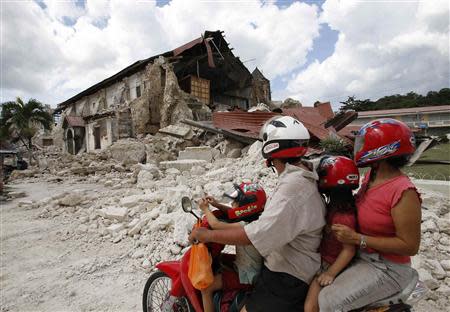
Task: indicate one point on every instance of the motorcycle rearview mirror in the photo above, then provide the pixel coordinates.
(186, 204)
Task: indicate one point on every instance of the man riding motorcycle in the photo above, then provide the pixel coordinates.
(288, 232)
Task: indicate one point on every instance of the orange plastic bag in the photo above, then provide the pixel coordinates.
(200, 270)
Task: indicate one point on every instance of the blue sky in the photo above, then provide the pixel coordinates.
(310, 50)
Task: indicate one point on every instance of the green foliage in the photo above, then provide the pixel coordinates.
(411, 99)
(335, 146)
(19, 120)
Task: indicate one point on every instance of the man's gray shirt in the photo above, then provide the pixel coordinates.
(289, 231)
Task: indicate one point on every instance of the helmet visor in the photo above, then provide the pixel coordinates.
(235, 193)
(359, 144)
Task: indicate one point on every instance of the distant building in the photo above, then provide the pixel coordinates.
(428, 120)
(186, 83)
(261, 88)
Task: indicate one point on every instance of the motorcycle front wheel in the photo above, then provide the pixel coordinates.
(156, 297)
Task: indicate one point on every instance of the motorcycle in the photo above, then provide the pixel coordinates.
(170, 290)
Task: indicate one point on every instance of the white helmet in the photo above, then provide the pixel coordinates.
(283, 137)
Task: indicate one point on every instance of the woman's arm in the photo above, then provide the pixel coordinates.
(407, 218)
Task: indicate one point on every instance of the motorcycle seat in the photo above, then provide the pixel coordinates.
(401, 296)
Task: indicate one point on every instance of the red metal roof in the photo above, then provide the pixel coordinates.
(248, 124)
(241, 123)
(401, 111)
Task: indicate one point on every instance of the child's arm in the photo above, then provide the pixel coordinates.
(216, 204)
(218, 225)
(344, 258)
(212, 220)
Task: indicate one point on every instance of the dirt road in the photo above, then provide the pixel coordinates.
(41, 270)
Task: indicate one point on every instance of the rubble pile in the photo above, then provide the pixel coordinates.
(141, 201)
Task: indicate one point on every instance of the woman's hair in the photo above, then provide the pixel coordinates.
(398, 162)
(341, 199)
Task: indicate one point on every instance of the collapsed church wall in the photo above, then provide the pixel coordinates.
(137, 105)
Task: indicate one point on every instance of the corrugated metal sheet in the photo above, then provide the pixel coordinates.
(248, 124)
(241, 123)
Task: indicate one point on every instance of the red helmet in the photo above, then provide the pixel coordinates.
(251, 198)
(337, 171)
(381, 139)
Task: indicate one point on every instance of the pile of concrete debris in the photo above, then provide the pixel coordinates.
(120, 163)
(142, 185)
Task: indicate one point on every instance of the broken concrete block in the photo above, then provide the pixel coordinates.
(115, 228)
(435, 268)
(144, 179)
(197, 152)
(17, 194)
(173, 171)
(25, 203)
(128, 151)
(426, 277)
(182, 165)
(234, 153)
(115, 213)
(197, 170)
(179, 131)
(130, 201)
(145, 217)
(71, 200)
(133, 223)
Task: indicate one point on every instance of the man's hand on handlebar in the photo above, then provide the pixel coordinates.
(199, 234)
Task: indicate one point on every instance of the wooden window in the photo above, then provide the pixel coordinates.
(138, 91)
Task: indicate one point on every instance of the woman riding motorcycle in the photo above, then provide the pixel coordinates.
(389, 216)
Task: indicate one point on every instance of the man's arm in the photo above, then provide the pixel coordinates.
(234, 236)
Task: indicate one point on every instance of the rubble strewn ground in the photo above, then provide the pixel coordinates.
(91, 227)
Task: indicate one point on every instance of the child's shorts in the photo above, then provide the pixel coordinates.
(230, 281)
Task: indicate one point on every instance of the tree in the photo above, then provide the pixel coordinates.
(411, 99)
(333, 145)
(357, 105)
(20, 121)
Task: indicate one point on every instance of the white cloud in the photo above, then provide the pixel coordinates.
(60, 9)
(52, 61)
(383, 48)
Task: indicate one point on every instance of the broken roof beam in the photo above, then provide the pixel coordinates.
(425, 145)
(209, 127)
(341, 120)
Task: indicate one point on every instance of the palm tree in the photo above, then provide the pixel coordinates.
(20, 121)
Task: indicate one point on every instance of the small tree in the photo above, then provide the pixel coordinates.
(20, 121)
(335, 146)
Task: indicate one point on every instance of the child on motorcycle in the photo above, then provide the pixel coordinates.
(338, 177)
(248, 203)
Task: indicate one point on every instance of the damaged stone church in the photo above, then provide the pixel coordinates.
(188, 82)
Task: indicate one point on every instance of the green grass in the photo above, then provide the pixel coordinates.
(432, 172)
